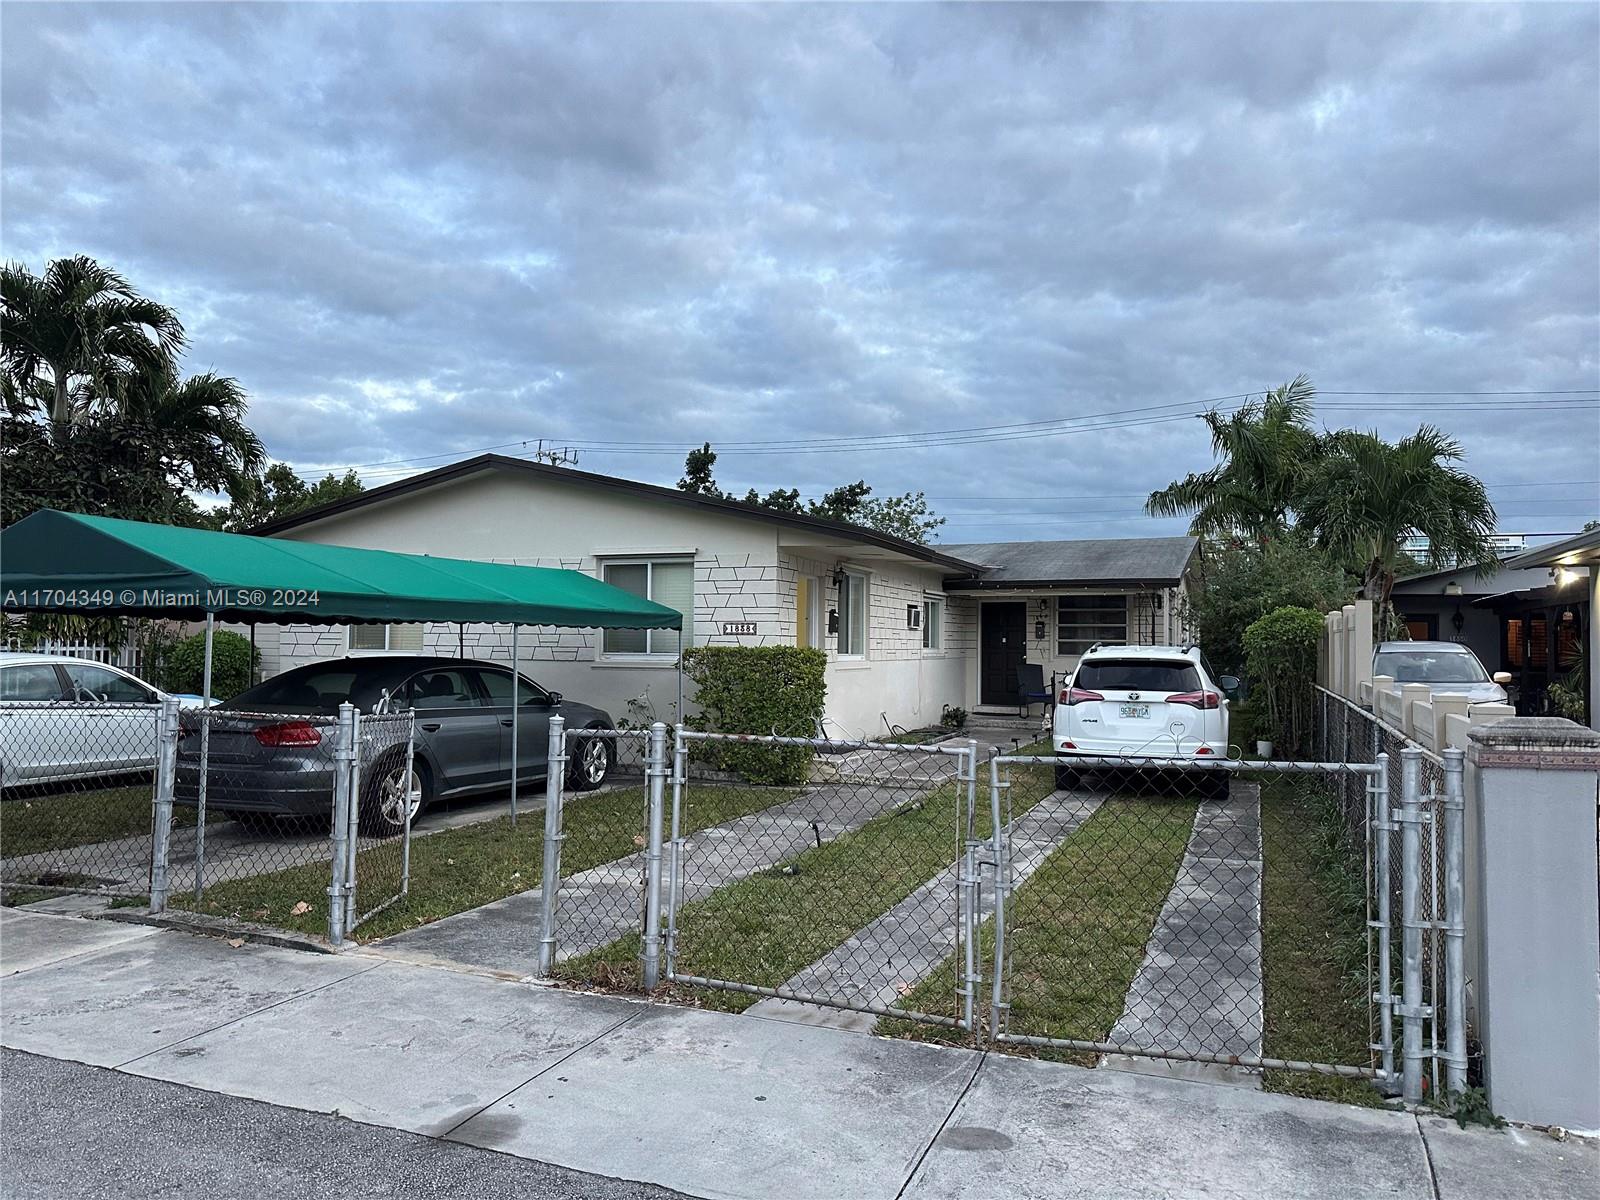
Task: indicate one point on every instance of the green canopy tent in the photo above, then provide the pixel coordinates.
(99, 566)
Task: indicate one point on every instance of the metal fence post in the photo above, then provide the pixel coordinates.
(550, 881)
(680, 762)
(650, 941)
(167, 730)
(1455, 924)
(340, 828)
(411, 798)
(1002, 888)
(1382, 831)
(353, 841)
(967, 884)
(1412, 1011)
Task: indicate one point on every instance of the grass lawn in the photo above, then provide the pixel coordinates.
(30, 824)
(1077, 928)
(766, 928)
(459, 869)
(1313, 942)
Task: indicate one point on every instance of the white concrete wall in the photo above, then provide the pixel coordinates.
(897, 679)
(1153, 620)
(741, 574)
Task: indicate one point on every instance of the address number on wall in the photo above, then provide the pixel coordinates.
(739, 628)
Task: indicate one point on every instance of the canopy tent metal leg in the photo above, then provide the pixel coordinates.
(205, 764)
(516, 720)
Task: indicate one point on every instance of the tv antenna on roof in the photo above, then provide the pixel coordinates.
(556, 456)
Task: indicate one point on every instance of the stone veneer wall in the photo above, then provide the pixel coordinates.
(727, 588)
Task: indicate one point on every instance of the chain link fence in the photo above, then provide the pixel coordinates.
(76, 788)
(1191, 912)
(828, 875)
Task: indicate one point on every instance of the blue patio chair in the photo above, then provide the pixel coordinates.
(1031, 689)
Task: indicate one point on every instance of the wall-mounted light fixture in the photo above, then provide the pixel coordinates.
(1562, 575)
(1452, 588)
(838, 577)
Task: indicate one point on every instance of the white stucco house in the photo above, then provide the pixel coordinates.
(908, 629)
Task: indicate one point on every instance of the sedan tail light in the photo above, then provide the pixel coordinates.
(1074, 695)
(1196, 699)
(289, 733)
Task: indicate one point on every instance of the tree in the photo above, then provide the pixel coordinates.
(80, 324)
(280, 492)
(1245, 581)
(200, 422)
(697, 478)
(1266, 449)
(907, 516)
(1365, 495)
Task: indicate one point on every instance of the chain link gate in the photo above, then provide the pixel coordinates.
(1173, 910)
(847, 882)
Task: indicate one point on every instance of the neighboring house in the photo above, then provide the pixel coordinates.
(908, 629)
(1529, 621)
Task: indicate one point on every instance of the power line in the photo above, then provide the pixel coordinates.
(968, 435)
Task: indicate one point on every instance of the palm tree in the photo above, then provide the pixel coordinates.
(1266, 448)
(199, 422)
(80, 324)
(1365, 495)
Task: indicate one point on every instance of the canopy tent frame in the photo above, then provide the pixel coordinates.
(62, 562)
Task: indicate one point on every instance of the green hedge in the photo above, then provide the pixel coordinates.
(757, 689)
(1281, 653)
(233, 665)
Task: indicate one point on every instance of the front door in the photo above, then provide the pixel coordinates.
(1003, 647)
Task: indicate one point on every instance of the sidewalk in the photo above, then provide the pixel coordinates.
(706, 1103)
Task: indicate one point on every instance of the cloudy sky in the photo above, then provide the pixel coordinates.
(1000, 254)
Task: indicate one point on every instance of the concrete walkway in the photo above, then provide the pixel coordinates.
(1199, 987)
(602, 904)
(707, 1103)
(892, 954)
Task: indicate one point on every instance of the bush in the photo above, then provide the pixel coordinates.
(1242, 584)
(233, 665)
(757, 689)
(1281, 654)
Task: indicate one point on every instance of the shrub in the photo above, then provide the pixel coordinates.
(757, 689)
(1281, 653)
(233, 665)
(1242, 584)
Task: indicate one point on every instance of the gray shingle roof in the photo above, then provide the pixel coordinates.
(1094, 561)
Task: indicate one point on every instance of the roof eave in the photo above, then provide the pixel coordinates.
(989, 585)
(487, 462)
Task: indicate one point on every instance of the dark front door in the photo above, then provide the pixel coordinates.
(1003, 646)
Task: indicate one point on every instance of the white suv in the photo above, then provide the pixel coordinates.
(1143, 702)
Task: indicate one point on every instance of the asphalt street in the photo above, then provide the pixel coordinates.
(86, 1133)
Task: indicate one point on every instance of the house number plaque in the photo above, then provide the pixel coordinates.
(739, 628)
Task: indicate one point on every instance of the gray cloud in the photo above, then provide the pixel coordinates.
(418, 230)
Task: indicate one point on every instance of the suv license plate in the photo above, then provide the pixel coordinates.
(1141, 711)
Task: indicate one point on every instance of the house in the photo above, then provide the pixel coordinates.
(908, 629)
(1529, 620)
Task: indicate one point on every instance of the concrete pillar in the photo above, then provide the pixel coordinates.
(1358, 646)
(1533, 923)
(1443, 707)
(1409, 693)
(1347, 676)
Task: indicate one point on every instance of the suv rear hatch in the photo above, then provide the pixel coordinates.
(1138, 703)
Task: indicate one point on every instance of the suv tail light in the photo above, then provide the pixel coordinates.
(1072, 695)
(1196, 699)
(289, 733)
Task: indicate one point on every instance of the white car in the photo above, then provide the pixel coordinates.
(1143, 702)
(69, 718)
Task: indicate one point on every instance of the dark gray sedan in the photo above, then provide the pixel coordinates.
(271, 751)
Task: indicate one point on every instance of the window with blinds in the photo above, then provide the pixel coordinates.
(1081, 621)
(397, 639)
(668, 581)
